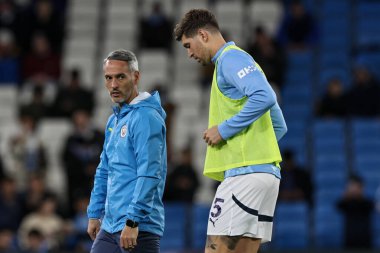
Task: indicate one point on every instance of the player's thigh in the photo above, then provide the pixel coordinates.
(104, 242)
(231, 244)
(147, 243)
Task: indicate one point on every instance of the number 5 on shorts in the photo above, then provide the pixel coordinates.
(217, 207)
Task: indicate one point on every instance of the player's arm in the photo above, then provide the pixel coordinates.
(278, 122)
(148, 140)
(252, 84)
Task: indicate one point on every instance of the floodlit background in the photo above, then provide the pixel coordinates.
(322, 57)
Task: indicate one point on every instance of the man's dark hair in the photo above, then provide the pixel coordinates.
(124, 55)
(194, 20)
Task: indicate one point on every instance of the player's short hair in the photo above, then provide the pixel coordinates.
(124, 55)
(194, 20)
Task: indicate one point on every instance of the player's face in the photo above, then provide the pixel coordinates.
(121, 83)
(196, 49)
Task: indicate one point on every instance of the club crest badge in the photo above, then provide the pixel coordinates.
(123, 131)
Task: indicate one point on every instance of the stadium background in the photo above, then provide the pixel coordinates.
(328, 148)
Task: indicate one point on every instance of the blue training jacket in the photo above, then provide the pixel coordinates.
(130, 178)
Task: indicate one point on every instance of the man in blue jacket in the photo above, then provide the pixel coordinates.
(126, 210)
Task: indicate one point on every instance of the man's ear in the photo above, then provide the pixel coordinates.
(203, 35)
(136, 77)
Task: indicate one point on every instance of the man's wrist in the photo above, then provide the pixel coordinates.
(131, 223)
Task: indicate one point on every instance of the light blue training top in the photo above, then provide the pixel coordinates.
(237, 76)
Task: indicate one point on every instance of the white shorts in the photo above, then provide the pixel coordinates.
(244, 205)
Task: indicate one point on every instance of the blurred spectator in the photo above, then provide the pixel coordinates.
(269, 55)
(333, 102)
(357, 210)
(6, 241)
(47, 221)
(183, 181)
(363, 97)
(35, 192)
(78, 240)
(42, 18)
(9, 62)
(41, 63)
(73, 97)
(10, 204)
(156, 29)
(37, 107)
(8, 14)
(26, 151)
(298, 28)
(36, 243)
(81, 155)
(296, 182)
(39, 92)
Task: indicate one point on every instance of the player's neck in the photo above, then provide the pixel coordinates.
(218, 44)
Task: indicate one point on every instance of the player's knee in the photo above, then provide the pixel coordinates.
(221, 244)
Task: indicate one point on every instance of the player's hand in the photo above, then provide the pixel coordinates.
(93, 228)
(212, 136)
(128, 237)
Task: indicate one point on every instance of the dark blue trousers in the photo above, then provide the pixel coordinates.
(110, 243)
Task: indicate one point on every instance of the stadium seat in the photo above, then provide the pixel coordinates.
(328, 227)
(363, 147)
(376, 230)
(295, 94)
(174, 233)
(300, 59)
(227, 12)
(328, 195)
(199, 221)
(333, 128)
(329, 137)
(298, 76)
(326, 162)
(297, 145)
(290, 233)
(367, 8)
(338, 58)
(332, 178)
(296, 111)
(365, 128)
(323, 145)
(155, 63)
(266, 13)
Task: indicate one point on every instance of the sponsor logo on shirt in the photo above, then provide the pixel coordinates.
(246, 70)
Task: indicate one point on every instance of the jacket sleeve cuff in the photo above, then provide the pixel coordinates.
(134, 218)
(225, 131)
(94, 215)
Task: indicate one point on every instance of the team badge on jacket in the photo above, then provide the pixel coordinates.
(123, 131)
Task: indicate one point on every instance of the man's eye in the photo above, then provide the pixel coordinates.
(120, 77)
(108, 78)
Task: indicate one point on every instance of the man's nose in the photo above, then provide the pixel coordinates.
(190, 54)
(114, 83)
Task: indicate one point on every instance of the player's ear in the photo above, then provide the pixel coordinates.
(203, 35)
(136, 77)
